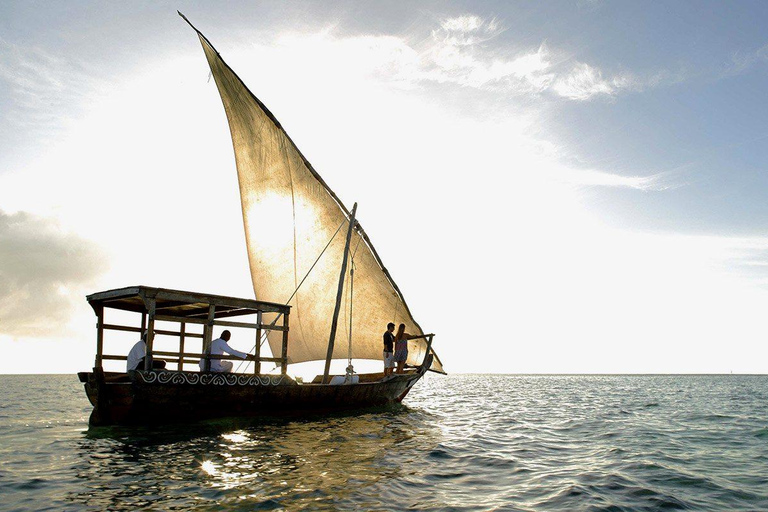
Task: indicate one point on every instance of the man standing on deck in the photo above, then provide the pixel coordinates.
(218, 347)
(389, 343)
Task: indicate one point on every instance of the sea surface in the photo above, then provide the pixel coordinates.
(461, 442)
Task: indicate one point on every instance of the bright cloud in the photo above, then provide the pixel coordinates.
(40, 82)
(584, 81)
(463, 51)
(460, 54)
(467, 30)
(744, 61)
(43, 271)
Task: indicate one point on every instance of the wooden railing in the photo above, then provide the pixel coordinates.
(180, 357)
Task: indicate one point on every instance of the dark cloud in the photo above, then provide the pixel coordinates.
(43, 272)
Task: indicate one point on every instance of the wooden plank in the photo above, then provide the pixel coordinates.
(271, 359)
(219, 300)
(221, 312)
(284, 358)
(182, 332)
(208, 337)
(186, 354)
(183, 297)
(237, 312)
(114, 358)
(175, 360)
(112, 327)
(179, 319)
(245, 325)
(99, 335)
(150, 334)
(268, 327)
(112, 294)
(201, 321)
(424, 336)
(170, 304)
(257, 347)
(214, 356)
(178, 333)
(194, 358)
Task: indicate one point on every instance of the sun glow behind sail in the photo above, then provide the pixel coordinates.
(290, 215)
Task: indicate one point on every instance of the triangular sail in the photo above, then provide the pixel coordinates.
(290, 214)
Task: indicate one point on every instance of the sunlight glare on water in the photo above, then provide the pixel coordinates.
(465, 442)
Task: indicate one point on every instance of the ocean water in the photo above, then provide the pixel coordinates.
(461, 442)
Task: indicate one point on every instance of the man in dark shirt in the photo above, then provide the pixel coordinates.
(389, 346)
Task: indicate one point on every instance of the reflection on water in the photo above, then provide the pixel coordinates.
(323, 462)
(463, 443)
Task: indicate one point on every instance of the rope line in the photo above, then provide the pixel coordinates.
(264, 335)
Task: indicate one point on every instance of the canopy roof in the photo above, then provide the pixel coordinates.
(180, 303)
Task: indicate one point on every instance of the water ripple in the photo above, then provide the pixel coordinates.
(463, 443)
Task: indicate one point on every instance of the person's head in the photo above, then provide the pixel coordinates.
(401, 329)
(225, 335)
(390, 327)
(144, 337)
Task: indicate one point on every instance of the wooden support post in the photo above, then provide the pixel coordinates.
(208, 336)
(343, 274)
(284, 355)
(143, 324)
(99, 336)
(257, 351)
(182, 333)
(150, 333)
(427, 357)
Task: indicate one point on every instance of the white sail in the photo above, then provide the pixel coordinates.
(290, 215)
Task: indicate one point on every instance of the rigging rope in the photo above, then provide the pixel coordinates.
(264, 335)
(351, 302)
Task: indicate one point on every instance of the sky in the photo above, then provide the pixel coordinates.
(556, 187)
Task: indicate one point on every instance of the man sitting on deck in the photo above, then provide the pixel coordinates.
(138, 353)
(218, 347)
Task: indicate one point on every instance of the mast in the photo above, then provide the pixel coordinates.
(338, 296)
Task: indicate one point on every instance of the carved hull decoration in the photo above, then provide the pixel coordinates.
(206, 379)
(156, 397)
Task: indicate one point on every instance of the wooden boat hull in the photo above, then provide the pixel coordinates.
(144, 397)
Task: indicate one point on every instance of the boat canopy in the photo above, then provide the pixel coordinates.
(179, 303)
(190, 308)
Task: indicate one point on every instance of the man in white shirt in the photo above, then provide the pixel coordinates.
(218, 347)
(137, 354)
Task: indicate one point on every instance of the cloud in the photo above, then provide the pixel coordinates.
(456, 55)
(584, 81)
(39, 83)
(467, 30)
(43, 271)
(461, 52)
(742, 62)
(590, 177)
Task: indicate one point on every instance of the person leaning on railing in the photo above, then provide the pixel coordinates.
(218, 347)
(401, 347)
